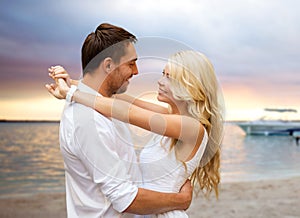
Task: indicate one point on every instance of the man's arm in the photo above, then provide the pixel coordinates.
(151, 202)
(106, 169)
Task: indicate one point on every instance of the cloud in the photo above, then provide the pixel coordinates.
(251, 42)
(243, 33)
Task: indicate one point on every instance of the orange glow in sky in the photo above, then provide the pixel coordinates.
(46, 108)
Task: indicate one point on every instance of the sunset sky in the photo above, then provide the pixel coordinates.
(253, 44)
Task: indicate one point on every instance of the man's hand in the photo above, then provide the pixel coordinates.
(152, 202)
(186, 192)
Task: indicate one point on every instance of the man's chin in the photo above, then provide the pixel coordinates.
(122, 89)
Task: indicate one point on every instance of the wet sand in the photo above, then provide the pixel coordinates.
(273, 198)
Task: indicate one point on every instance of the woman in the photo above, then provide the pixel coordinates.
(192, 126)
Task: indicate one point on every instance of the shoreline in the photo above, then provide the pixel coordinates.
(266, 198)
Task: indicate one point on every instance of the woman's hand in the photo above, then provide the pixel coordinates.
(57, 72)
(61, 86)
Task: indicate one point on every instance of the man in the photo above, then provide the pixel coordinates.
(98, 181)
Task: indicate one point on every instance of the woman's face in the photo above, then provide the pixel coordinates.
(164, 92)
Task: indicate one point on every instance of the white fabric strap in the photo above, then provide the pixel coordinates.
(70, 93)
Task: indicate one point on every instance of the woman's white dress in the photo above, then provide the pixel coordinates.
(162, 172)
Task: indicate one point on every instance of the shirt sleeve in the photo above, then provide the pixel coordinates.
(93, 137)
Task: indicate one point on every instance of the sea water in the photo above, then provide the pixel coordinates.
(31, 162)
(30, 159)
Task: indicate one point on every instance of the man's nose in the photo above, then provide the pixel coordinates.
(135, 70)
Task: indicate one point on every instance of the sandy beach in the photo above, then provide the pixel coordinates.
(275, 198)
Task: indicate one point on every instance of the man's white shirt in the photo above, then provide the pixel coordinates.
(100, 162)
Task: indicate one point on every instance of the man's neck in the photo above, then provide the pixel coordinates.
(98, 84)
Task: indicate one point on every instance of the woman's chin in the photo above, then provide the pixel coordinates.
(161, 98)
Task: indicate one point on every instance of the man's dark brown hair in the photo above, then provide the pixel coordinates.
(107, 41)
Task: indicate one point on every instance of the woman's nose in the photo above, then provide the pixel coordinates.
(160, 81)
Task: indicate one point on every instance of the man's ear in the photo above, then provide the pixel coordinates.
(108, 65)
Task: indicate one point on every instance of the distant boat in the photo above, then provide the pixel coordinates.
(272, 125)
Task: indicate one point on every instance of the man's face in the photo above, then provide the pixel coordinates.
(119, 77)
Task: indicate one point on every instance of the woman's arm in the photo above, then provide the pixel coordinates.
(58, 72)
(74, 82)
(143, 104)
(186, 129)
(175, 126)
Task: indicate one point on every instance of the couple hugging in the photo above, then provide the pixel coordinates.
(103, 176)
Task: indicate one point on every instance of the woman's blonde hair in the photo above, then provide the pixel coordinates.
(193, 80)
